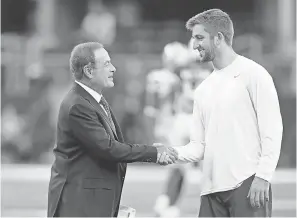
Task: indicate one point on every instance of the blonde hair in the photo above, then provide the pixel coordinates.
(215, 19)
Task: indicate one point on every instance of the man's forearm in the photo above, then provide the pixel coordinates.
(269, 124)
(269, 158)
(192, 152)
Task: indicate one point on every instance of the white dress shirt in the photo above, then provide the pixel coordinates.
(92, 92)
(236, 126)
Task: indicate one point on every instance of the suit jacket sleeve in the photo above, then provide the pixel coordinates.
(87, 128)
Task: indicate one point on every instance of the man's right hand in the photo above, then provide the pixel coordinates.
(166, 155)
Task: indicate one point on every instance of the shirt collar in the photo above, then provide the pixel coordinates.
(92, 92)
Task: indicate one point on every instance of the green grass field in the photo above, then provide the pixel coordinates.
(24, 190)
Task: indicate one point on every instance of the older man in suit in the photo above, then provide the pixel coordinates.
(88, 173)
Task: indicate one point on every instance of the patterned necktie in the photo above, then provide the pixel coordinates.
(105, 105)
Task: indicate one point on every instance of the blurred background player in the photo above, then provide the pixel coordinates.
(176, 132)
(162, 88)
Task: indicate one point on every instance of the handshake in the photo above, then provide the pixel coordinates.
(166, 155)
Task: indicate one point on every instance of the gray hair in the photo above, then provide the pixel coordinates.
(217, 20)
(82, 55)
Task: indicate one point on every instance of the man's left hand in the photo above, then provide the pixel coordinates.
(259, 192)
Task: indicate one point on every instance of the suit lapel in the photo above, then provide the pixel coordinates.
(82, 92)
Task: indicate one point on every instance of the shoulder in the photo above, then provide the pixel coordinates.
(74, 101)
(254, 70)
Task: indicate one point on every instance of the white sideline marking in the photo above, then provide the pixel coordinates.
(281, 204)
(134, 174)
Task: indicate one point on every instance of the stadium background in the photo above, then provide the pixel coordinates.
(36, 39)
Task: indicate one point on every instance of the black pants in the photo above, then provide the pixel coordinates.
(233, 203)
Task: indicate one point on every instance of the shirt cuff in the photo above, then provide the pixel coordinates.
(265, 176)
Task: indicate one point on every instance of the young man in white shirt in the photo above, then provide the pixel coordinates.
(237, 125)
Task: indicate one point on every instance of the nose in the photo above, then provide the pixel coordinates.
(195, 44)
(113, 69)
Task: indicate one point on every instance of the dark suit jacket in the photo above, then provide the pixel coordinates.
(89, 170)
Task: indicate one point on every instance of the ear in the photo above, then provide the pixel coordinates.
(88, 71)
(220, 37)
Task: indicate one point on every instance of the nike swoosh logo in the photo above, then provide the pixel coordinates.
(236, 76)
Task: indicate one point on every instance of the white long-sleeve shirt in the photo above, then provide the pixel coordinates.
(236, 126)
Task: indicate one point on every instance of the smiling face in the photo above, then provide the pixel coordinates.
(103, 70)
(203, 41)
